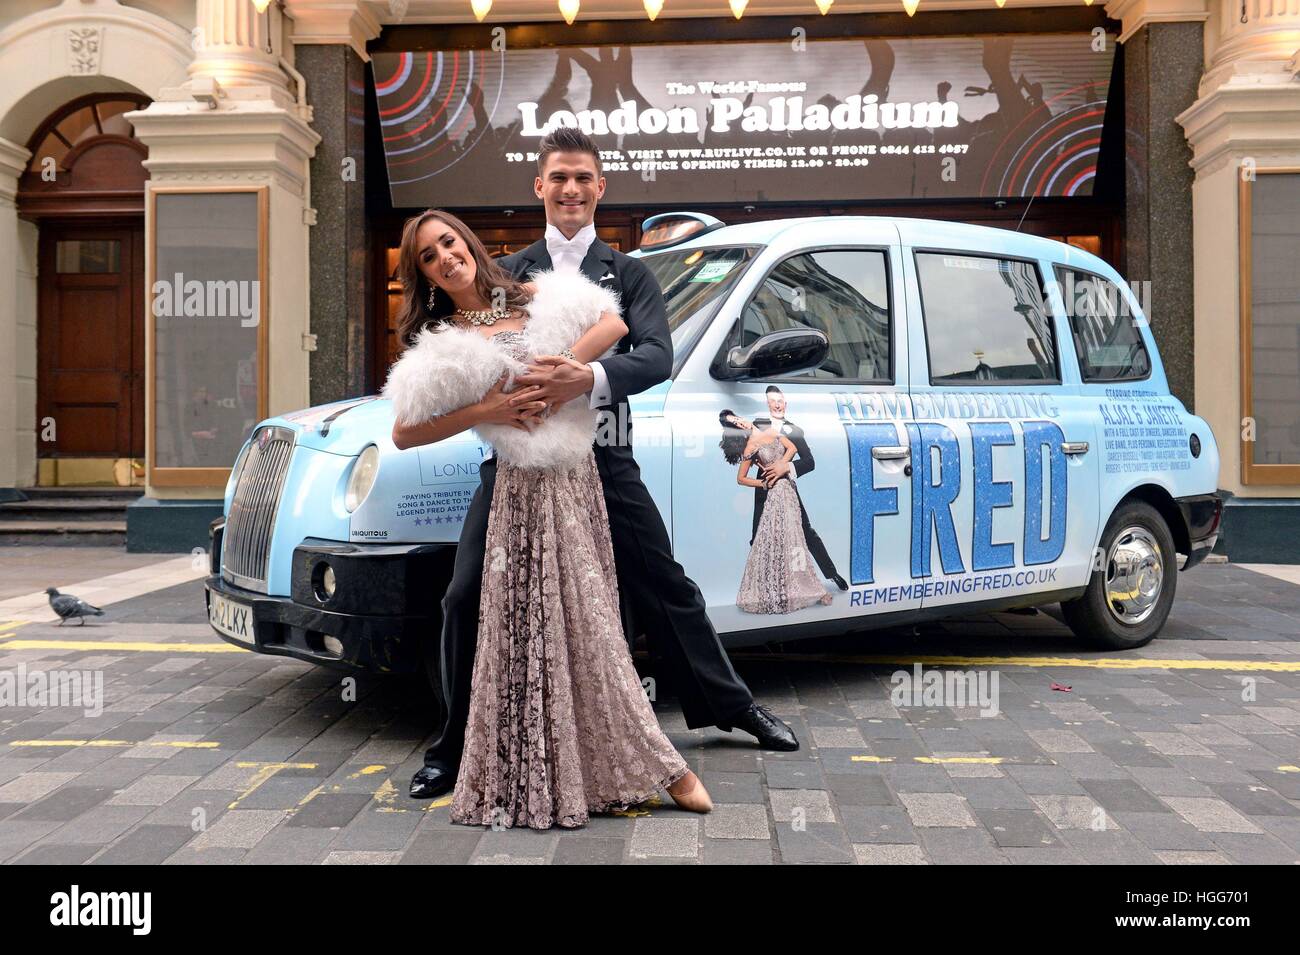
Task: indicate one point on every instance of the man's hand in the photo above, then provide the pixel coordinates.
(775, 471)
(518, 409)
(557, 379)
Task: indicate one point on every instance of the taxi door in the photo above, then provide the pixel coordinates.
(1002, 445)
(837, 530)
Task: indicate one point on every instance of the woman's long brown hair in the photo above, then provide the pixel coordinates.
(414, 313)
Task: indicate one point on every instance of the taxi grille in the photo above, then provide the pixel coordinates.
(246, 543)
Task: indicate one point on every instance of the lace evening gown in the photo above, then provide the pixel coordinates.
(779, 575)
(559, 724)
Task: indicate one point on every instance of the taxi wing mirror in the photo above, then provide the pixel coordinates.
(776, 353)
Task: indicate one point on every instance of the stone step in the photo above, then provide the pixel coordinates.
(76, 532)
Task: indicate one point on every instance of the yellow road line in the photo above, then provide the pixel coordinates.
(112, 647)
(1288, 769)
(982, 760)
(178, 744)
(1099, 663)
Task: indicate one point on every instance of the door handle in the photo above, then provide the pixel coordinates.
(891, 452)
(1074, 447)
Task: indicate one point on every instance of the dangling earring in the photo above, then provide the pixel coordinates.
(433, 291)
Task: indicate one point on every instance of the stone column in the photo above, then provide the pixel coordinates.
(1163, 62)
(17, 333)
(1247, 114)
(329, 38)
(258, 134)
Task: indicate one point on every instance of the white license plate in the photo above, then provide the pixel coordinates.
(232, 618)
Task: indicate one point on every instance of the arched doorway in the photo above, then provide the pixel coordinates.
(84, 188)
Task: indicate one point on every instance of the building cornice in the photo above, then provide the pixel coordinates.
(333, 22)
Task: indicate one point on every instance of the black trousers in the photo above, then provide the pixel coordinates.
(815, 545)
(657, 598)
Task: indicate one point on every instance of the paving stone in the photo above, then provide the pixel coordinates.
(153, 790)
(1210, 815)
(678, 838)
(818, 842)
(146, 845)
(937, 809)
(238, 828)
(1017, 827)
(960, 847)
(738, 822)
(1254, 800)
(866, 789)
(736, 852)
(1193, 858)
(809, 805)
(733, 787)
(1122, 795)
(441, 848)
(886, 854)
(1162, 830)
(1074, 812)
(802, 774)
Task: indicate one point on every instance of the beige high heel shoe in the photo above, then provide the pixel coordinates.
(690, 793)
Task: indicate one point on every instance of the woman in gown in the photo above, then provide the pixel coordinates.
(559, 723)
(779, 575)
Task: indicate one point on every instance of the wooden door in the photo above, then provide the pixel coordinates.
(90, 339)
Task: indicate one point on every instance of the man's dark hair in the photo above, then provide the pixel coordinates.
(566, 139)
(772, 388)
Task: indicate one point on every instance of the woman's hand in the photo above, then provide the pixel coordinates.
(518, 408)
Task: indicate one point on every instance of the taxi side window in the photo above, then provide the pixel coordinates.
(986, 319)
(843, 293)
(1105, 330)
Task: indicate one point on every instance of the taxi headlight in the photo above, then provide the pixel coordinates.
(362, 478)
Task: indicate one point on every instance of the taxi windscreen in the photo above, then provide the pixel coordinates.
(695, 282)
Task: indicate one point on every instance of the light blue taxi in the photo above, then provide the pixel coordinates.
(975, 420)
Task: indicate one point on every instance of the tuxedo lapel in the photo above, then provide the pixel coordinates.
(599, 261)
(536, 259)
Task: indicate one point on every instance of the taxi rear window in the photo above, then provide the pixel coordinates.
(1105, 328)
(986, 320)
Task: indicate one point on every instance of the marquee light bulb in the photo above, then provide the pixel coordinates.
(652, 7)
(261, 5)
(480, 8)
(824, 6)
(1000, 3)
(910, 6)
(738, 7)
(569, 10)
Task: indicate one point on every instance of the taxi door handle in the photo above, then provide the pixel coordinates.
(1074, 447)
(891, 452)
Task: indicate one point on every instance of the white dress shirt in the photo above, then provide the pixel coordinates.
(567, 255)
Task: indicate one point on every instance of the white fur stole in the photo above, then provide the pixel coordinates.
(450, 367)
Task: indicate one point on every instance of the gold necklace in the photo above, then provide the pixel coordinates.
(484, 316)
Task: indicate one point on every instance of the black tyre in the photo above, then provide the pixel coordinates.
(1133, 581)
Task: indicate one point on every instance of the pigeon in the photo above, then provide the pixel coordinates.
(69, 607)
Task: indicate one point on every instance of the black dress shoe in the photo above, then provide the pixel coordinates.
(840, 582)
(770, 732)
(432, 781)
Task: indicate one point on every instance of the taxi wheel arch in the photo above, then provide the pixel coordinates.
(1131, 591)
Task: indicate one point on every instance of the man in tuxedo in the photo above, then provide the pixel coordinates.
(657, 596)
(802, 463)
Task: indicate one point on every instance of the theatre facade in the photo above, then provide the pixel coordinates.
(201, 200)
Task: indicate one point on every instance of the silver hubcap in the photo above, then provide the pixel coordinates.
(1134, 575)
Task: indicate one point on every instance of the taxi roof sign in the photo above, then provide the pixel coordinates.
(669, 228)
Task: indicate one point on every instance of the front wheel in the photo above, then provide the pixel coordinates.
(1132, 586)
